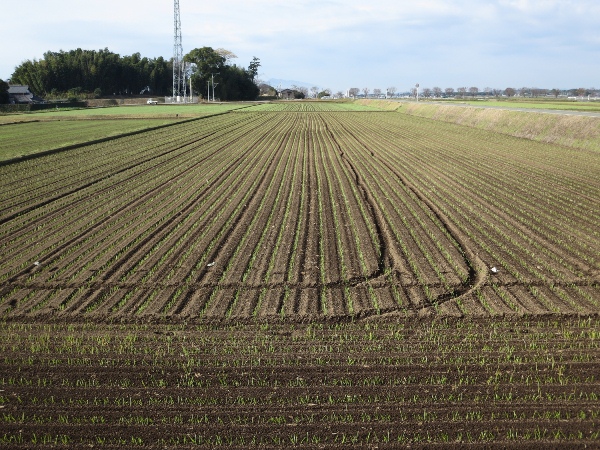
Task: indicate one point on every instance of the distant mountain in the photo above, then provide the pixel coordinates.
(284, 84)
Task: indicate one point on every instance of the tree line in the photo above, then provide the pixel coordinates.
(98, 72)
(101, 73)
(473, 91)
(463, 92)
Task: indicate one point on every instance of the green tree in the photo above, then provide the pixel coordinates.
(206, 61)
(90, 70)
(206, 67)
(231, 82)
(253, 67)
(237, 84)
(161, 75)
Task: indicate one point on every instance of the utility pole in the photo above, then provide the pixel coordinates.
(191, 93)
(213, 84)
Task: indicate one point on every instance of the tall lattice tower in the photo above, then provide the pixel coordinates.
(178, 64)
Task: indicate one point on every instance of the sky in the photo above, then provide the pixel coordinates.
(335, 44)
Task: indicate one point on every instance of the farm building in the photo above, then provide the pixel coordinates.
(20, 94)
(287, 94)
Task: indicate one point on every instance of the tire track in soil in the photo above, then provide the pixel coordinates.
(560, 267)
(532, 280)
(301, 287)
(401, 290)
(378, 284)
(389, 260)
(524, 234)
(346, 200)
(388, 256)
(295, 287)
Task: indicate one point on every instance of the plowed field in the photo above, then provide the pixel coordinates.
(450, 384)
(301, 215)
(300, 275)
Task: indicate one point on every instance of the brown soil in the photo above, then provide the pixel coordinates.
(296, 216)
(411, 383)
(315, 279)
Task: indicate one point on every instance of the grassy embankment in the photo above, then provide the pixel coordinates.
(386, 105)
(562, 105)
(568, 130)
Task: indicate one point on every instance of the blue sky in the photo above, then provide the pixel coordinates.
(336, 44)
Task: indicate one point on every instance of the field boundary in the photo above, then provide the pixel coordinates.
(21, 158)
(575, 131)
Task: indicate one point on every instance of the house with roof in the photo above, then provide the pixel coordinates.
(287, 94)
(19, 94)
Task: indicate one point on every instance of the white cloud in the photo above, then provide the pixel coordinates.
(334, 42)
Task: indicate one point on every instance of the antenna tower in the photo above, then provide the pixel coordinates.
(179, 86)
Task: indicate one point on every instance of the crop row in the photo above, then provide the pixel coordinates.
(509, 231)
(142, 240)
(300, 214)
(141, 201)
(47, 135)
(86, 207)
(515, 382)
